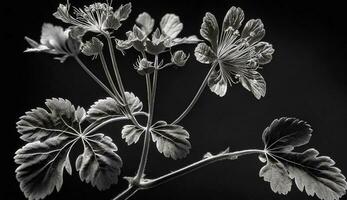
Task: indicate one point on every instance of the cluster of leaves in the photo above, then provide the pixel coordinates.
(51, 135)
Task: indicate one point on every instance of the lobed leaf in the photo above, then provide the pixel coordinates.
(131, 134)
(315, 174)
(109, 108)
(42, 165)
(99, 164)
(171, 140)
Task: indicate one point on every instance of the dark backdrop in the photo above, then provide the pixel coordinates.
(306, 79)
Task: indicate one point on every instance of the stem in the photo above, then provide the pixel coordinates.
(196, 97)
(146, 142)
(126, 194)
(197, 165)
(119, 79)
(97, 124)
(109, 78)
(101, 84)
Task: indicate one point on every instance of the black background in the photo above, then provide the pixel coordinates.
(306, 79)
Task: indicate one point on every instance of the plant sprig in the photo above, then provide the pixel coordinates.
(235, 56)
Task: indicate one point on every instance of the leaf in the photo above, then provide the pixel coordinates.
(227, 150)
(210, 30)
(123, 12)
(39, 124)
(42, 164)
(233, 18)
(99, 164)
(171, 140)
(286, 133)
(315, 174)
(51, 136)
(204, 54)
(108, 108)
(171, 25)
(131, 134)
(277, 175)
(256, 84)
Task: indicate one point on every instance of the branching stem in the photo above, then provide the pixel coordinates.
(152, 92)
(119, 79)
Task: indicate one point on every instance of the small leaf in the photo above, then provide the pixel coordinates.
(131, 134)
(42, 164)
(171, 25)
(171, 140)
(99, 164)
(204, 54)
(227, 150)
(210, 30)
(109, 108)
(134, 102)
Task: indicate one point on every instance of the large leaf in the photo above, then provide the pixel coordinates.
(42, 165)
(99, 164)
(51, 136)
(109, 108)
(315, 174)
(171, 140)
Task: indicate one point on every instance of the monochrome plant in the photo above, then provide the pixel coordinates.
(235, 55)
